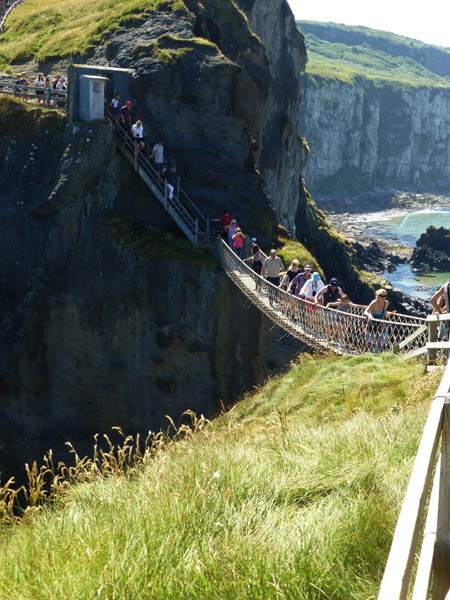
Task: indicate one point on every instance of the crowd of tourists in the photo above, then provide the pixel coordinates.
(40, 85)
(307, 285)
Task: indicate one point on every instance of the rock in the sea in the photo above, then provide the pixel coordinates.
(436, 238)
(373, 258)
(425, 258)
(433, 250)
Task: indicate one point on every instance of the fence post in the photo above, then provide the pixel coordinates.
(166, 195)
(433, 325)
(442, 554)
(207, 226)
(178, 190)
(196, 230)
(135, 156)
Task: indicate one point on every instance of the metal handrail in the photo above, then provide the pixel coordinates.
(191, 217)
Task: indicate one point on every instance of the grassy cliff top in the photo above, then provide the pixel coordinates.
(294, 493)
(345, 53)
(43, 29)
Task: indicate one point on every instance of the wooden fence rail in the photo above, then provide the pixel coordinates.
(50, 98)
(433, 570)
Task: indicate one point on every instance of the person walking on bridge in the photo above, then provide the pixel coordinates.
(272, 268)
(299, 280)
(157, 157)
(309, 291)
(441, 305)
(125, 117)
(376, 332)
(238, 242)
(330, 293)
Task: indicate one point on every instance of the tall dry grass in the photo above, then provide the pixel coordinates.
(261, 503)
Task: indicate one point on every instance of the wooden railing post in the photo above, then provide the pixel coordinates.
(166, 194)
(207, 226)
(196, 230)
(432, 337)
(442, 556)
(47, 97)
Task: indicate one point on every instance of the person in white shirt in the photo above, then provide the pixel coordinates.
(137, 132)
(39, 84)
(309, 290)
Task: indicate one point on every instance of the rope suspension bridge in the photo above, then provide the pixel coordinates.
(319, 327)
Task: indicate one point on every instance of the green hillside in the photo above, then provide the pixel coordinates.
(292, 494)
(45, 29)
(345, 53)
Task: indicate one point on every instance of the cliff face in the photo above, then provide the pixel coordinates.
(105, 322)
(362, 136)
(225, 101)
(375, 112)
(283, 157)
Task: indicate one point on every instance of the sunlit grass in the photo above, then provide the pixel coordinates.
(43, 29)
(283, 497)
(293, 249)
(373, 56)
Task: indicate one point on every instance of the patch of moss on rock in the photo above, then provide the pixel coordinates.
(20, 119)
(293, 249)
(169, 49)
(153, 245)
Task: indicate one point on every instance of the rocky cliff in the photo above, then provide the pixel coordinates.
(108, 316)
(223, 91)
(106, 321)
(375, 129)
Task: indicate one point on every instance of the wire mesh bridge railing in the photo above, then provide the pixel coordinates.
(321, 327)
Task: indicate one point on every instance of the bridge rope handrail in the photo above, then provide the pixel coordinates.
(319, 326)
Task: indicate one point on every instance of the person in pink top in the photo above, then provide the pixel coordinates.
(238, 242)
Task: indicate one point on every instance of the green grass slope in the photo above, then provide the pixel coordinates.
(44, 29)
(292, 494)
(345, 53)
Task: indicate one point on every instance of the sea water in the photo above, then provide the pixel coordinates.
(398, 227)
(406, 229)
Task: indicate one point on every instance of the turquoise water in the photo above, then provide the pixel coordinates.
(422, 285)
(405, 229)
